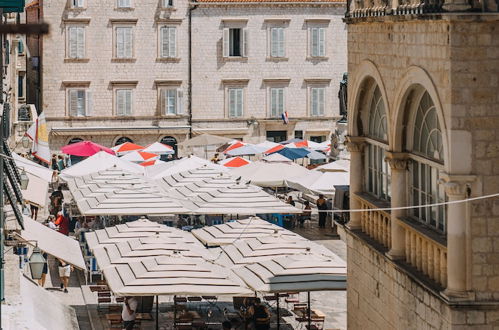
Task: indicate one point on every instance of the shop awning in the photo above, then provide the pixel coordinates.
(52, 242)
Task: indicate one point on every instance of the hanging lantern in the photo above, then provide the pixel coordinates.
(36, 263)
(24, 180)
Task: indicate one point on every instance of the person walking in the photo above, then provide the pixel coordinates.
(261, 315)
(306, 214)
(63, 223)
(34, 211)
(64, 274)
(45, 271)
(60, 163)
(129, 312)
(322, 207)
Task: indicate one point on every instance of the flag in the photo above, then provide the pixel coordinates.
(39, 134)
(285, 117)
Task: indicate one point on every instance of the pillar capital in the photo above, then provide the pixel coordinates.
(354, 143)
(397, 160)
(456, 185)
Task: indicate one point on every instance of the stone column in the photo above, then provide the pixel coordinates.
(355, 147)
(398, 165)
(456, 239)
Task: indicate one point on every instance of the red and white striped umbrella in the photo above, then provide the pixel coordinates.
(234, 162)
(139, 156)
(124, 148)
(151, 162)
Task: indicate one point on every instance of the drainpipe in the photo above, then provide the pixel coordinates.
(192, 6)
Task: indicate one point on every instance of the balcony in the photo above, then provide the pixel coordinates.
(373, 8)
(375, 223)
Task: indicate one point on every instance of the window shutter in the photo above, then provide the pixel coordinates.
(314, 101)
(128, 42)
(273, 42)
(90, 104)
(281, 43)
(322, 42)
(281, 101)
(164, 42)
(73, 102)
(315, 42)
(239, 102)
(81, 42)
(244, 45)
(180, 108)
(162, 102)
(173, 42)
(120, 103)
(225, 42)
(232, 102)
(322, 100)
(128, 102)
(119, 42)
(72, 42)
(272, 102)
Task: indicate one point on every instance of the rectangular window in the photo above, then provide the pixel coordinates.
(124, 3)
(235, 102)
(167, 3)
(123, 102)
(79, 101)
(378, 173)
(317, 101)
(77, 3)
(20, 86)
(234, 42)
(171, 101)
(76, 42)
(168, 42)
(20, 47)
(277, 42)
(124, 42)
(299, 135)
(276, 102)
(318, 42)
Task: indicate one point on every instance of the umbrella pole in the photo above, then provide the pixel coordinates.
(278, 321)
(309, 312)
(174, 312)
(157, 312)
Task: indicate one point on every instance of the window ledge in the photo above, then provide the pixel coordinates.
(168, 9)
(123, 60)
(177, 116)
(124, 9)
(277, 59)
(317, 58)
(76, 60)
(235, 59)
(168, 59)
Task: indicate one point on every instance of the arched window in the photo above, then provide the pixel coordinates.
(75, 140)
(170, 141)
(378, 171)
(122, 140)
(427, 161)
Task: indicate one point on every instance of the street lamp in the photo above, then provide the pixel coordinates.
(25, 141)
(24, 180)
(36, 263)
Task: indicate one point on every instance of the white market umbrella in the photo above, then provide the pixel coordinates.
(239, 199)
(99, 162)
(33, 168)
(181, 165)
(319, 182)
(267, 145)
(205, 140)
(132, 230)
(124, 148)
(295, 273)
(159, 149)
(316, 155)
(186, 191)
(266, 174)
(341, 165)
(234, 162)
(232, 231)
(191, 176)
(276, 157)
(173, 276)
(246, 150)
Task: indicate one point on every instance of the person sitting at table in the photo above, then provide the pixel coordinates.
(260, 315)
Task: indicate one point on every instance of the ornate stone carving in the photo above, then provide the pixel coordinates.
(397, 161)
(455, 188)
(353, 144)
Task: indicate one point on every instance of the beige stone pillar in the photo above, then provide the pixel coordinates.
(398, 165)
(456, 239)
(355, 147)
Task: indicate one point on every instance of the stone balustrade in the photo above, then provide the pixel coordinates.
(375, 223)
(425, 254)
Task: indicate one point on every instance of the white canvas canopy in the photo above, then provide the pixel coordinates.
(173, 276)
(248, 149)
(99, 162)
(181, 165)
(205, 140)
(275, 157)
(267, 145)
(265, 174)
(242, 199)
(295, 273)
(319, 182)
(252, 250)
(203, 186)
(229, 232)
(159, 148)
(135, 230)
(190, 176)
(33, 168)
(52, 242)
(341, 165)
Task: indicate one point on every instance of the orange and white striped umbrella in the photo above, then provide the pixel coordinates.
(139, 156)
(234, 162)
(124, 148)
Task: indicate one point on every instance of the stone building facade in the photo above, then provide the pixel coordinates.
(112, 71)
(277, 70)
(423, 119)
(144, 94)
